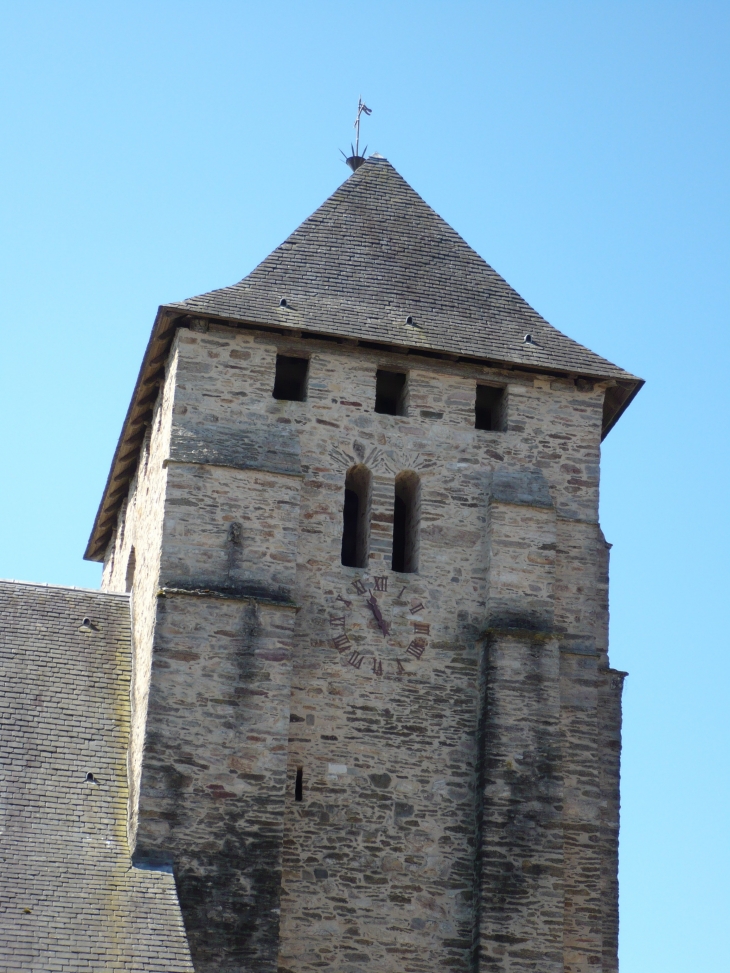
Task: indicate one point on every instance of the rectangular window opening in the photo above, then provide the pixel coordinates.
(291, 378)
(298, 784)
(390, 393)
(489, 408)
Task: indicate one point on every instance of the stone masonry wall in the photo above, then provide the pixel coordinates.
(214, 773)
(400, 795)
(140, 530)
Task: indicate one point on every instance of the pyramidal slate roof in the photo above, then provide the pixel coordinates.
(374, 264)
(375, 254)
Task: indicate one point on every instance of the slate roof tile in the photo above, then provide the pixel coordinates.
(374, 254)
(70, 898)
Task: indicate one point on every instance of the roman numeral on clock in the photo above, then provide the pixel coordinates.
(422, 628)
(381, 584)
(342, 643)
(417, 608)
(377, 667)
(355, 660)
(358, 586)
(417, 648)
(337, 621)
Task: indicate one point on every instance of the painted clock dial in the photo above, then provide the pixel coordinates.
(379, 625)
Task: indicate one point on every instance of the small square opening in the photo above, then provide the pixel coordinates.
(390, 393)
(489, 408)
(291, 378)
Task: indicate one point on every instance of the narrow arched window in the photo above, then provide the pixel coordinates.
(131, 566)
(356, 518)
(406, 522)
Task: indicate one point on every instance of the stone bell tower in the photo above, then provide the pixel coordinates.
(355, 501)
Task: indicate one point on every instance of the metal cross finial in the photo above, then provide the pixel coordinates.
(361, 107)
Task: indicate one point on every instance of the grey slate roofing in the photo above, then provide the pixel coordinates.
(374, 254)
(69, 896)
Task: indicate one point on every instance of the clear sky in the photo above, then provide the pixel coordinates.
(152, 151)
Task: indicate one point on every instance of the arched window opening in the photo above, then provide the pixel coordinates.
(356, 518)
(131, 566)
(406, 522)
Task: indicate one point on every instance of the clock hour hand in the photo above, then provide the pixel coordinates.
(375, 609)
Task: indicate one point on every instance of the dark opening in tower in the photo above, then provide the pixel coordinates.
(356, 518)
(390, 393)
(299, 784)
(406, 522)
(131, 568)
(489, 408)
(291, 378)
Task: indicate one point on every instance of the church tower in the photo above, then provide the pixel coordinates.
(374, 725)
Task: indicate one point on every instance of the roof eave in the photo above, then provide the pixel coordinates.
(631, 389)
(124, 461)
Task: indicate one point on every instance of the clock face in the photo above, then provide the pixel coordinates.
(378, 626)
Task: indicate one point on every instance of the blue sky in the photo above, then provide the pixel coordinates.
(149, 152)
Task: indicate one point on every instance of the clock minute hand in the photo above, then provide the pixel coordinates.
(375, 609)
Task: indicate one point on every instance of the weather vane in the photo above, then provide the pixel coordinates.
(355, 160)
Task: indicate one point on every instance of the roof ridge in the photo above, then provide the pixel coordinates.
(64, 587)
